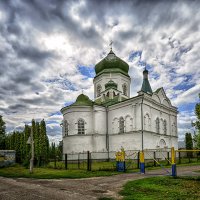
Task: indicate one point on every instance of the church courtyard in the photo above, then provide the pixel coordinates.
(98, 187)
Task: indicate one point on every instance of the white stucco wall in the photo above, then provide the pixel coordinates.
(74, 113)
(99, 120)
(83, 143)
(95, 118)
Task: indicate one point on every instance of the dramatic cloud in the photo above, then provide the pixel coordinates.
(49, 49)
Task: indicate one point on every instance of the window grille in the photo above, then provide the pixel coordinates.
(81, 127)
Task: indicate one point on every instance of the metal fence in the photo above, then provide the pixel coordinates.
(105, 161)
(7, 157)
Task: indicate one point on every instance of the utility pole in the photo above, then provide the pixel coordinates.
(31, 142)
(142, 126)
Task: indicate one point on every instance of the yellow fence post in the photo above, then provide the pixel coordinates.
(173, 155)
(142, 164)
(120, 160)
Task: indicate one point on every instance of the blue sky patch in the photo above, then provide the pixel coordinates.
(64, 83)
(134, 54)
(68, 103)
(55, 113)
(186, 84)
(187, 107)
(87, 71)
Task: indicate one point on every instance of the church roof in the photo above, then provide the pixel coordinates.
(146, 87)
(158, 90)
(83, 100)
(111, 84)
(111, 63)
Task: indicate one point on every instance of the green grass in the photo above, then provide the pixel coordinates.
(46, 173)
(102, 166)
(160, 188)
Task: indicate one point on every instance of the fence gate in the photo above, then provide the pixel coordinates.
(158, 158)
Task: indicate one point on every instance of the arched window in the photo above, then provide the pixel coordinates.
(173, 128)
(147, 122)
(115, 124)
(121, 125)
(124, 89)
(165, 126)
(66, 128)
(99, 88)
(81, 126)
(162, 143)
(157, 125)
(128, 123)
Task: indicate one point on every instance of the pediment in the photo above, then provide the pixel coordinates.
(160, 96)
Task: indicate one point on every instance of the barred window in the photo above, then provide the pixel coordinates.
(157, 125)
(66, 128)
(165, 127)
(99, 88)
(81, 126)
(121, 125)
(124, 89)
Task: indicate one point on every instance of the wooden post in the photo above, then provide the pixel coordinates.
(179, 157)
(54, 161)
(65, 161)
(138, 160)
(168, 158)
(78, 162)
(88, 161)
(154, 161)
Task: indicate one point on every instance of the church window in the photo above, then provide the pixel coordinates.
(147, 122)
(162, 144)
(121, 125)
(124, 89)
(173, 128)
(66, 128)
(99, 88)
(157, 125)
(81, 126)
(165, 127)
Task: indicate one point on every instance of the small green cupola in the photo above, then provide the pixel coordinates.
(146, 87)
(82, 100)
(111, 84)
(112, 63)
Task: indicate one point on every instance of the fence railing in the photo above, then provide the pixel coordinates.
(106, 161)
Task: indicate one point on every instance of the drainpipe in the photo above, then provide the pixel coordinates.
(107, 136)
(142, 124)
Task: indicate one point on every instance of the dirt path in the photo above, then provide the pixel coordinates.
(75, 189)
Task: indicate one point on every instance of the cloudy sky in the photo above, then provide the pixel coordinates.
(49, 49)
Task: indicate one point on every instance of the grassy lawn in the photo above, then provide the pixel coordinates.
(160, 188)
(83, 165)
(46, 173)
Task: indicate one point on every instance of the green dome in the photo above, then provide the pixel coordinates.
(111, 84)
(83, 100)
(112, 63)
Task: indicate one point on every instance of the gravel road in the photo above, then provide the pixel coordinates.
(75, 189)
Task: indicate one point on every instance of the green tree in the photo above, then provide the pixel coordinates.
(189, 144)
(2, 133)
(188, 141)
(197, 125)
(37, 141)
(44, 142)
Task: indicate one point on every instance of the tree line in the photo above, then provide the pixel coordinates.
(17, 140)
(189, 140)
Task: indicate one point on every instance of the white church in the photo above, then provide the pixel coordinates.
(114, 119)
